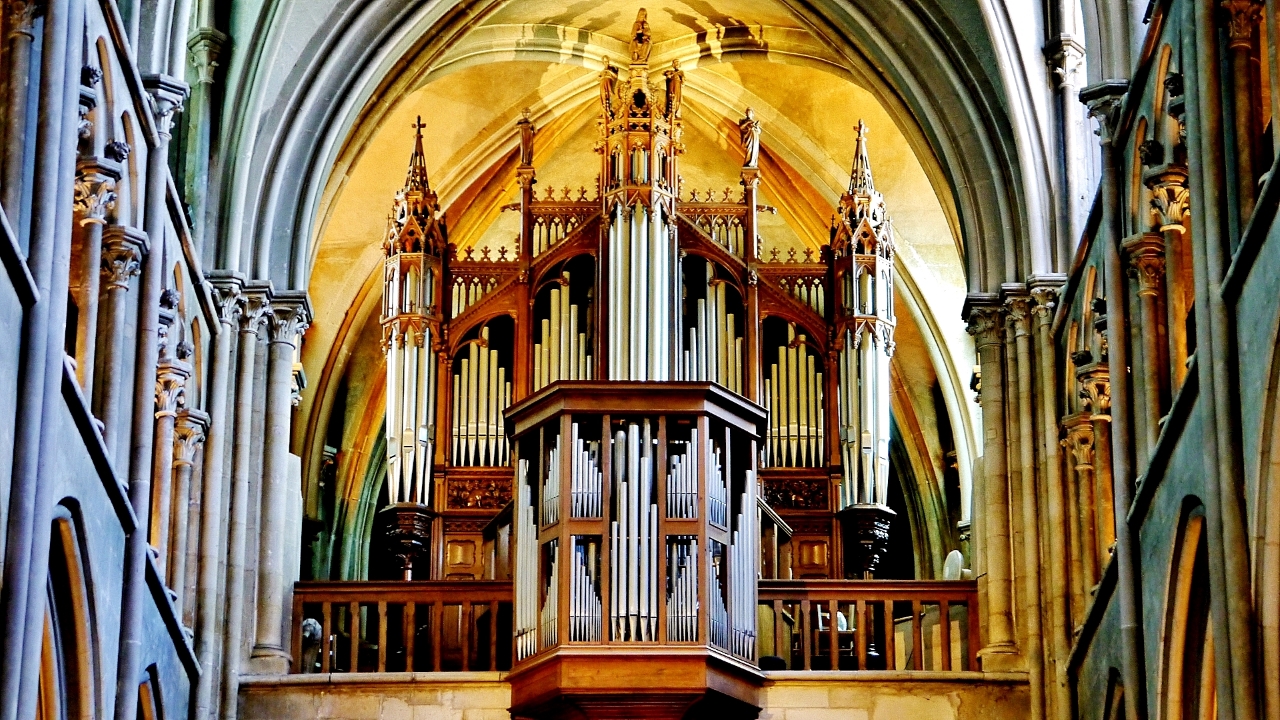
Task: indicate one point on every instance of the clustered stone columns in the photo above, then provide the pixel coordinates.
(1145, 253)
(95, 198)
(986, 327)
(288, 319)
(1170, 206)
(1242, 36)
(188, 436)
(171, 383)
(122, 251)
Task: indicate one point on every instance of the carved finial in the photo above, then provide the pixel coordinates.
(860, 178)
(417, 177)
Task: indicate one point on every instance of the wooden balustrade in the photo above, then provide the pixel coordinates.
(394, 626)
(804, 624)
(467, 625)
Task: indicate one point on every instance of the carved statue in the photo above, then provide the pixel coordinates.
(675, 88)
(749, 127)
(608, 80)
(526, 137)
(640, 44)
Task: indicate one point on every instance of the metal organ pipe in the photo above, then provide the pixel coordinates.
(640, 266)
(585, 607)
(682, 479)
(633, 537)
(481, 391)
(411, 378)
(562, 351)
(526, 566)
(714, 351)
(793, 395)
(586, 480)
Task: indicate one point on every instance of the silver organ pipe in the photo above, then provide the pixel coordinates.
(551, 486)
(526, 577)
(633, 607)
(481, 391)
(714, 350)
(717, 488)
(744, 555)
(682, 588)
(410, 390)
(550, 615)
(562, 352)
(584, 592)
(640, 272)
(682, 479)
(793, 395)
(586, 480)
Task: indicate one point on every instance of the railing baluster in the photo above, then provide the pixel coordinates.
(944, 617)
(353, 624)
(804, 638)
(778, 646)
(493, 635)
(465, 618)
(917, 643)
(833, 637)
(890, 637)
(326, 614)
(864, 633)
(410, 634)
(437, 637)
(382, 636)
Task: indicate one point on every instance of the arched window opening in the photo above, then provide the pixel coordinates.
(1189, 681)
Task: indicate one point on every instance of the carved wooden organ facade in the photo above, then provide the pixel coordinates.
(642, 281)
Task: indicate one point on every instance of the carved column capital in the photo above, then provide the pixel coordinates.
(95, 189)
(986, 324)
(1045, 302)
(166, 95)
(1095, 390)
(1066, 61)
(1145, 252)
(171, 387)
(1104, 101)
(188, 434)
(22, 17)
(205, 45)
(1170, 197)
(122, 251)
(288, 317)
(254, 307)
(1018, 315)
(1242, 20)
(228, 296)
(1078, 440)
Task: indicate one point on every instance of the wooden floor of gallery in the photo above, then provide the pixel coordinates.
(787, 695)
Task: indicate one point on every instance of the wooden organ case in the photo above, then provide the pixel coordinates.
(646, 372)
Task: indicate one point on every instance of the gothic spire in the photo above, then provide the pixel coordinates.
(860, 177)
(416, 179)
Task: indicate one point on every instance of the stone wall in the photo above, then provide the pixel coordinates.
(377, 696)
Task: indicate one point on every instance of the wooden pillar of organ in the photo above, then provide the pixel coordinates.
(636, 550)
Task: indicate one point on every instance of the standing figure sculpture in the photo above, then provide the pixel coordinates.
(608, 79)
(526, 137)
(640, 44)
(749, 127)
(675, 88)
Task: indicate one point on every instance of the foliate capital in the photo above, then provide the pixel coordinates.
(1079, 440)
(254, 306)
(1242, 20)
(1095, 390)
(227, 290)
(1045, 302)
(1146, 261)
(166, 95)
(122, 251)
(1066, 61)
(205, 45)
(95, 189)
(1170, 197)
(171, 387)
(1104, 101)
(985, 325)
(188, 434)
(1018, 314)
(288, 317)
(22, 17)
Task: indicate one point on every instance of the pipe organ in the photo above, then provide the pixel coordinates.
(638, 284)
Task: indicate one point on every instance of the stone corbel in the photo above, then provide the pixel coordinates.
(205, 45)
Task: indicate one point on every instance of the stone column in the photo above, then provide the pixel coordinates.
(1079, 446)
(290, 314)
(1044, 295)
(1146, 263)
(1094, 380)
(205, 47)
(1018, 316)
(1066, 58)
(171, 383)
(21, 23)
(122, 251)
(95, 195)
(1170, 202)
(253, 312)
(209, 635)
(189, 434)
(987, 329)
(1242, 26)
